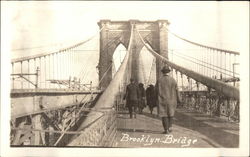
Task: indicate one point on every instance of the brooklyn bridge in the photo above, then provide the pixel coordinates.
(73, 96)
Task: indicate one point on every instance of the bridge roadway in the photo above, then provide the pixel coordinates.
(190, 129)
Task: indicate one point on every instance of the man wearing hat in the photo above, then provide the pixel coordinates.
(132, 94)
(167, 98)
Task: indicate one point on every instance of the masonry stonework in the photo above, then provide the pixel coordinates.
(114, 33)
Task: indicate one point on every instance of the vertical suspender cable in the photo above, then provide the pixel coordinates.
(65, 76)
(230, 63)
(225, 62)
(202, 52)
(28, 72)
(45, 70)
(217, 63)
(67, 63)
(13, 80)
(49, 68)
(212, 62)
(234, 62)
(70, 63)
(53, 68)
(221, 64)
(40, 67)
(177, 80)
(73, 62)
(21, 73)
(209, 61)
(35, 68)
(200, 56)
(58, 65)
(182, 82)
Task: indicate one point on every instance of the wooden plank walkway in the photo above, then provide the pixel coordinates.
(190, 129)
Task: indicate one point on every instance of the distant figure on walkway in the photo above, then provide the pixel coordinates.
(142, 98)
(131, 96)
(167, 98)
(151, 97)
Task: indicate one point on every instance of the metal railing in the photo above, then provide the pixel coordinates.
(211, 103)
(61, 128)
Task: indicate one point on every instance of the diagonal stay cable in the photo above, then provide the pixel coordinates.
(201, 61)
(227, 90)
(187, 59)
(95, 108)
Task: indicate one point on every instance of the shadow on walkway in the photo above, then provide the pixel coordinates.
(216, 134)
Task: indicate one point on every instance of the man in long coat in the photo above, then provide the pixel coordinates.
(141, 98)
(132, 94)
(151, 98)
(167, 98)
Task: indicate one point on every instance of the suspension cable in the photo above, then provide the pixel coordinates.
(58, 51)
(227, 90)
(204, 46)
(203, 61)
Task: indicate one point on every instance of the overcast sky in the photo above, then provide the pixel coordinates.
(45, 24)
(41, 26)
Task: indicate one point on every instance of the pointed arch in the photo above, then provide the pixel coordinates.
(114, 33)
(118, 55)
(147, 66)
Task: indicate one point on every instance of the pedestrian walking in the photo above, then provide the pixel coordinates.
(151, 98)
(131, 96)
(141, 98)
(167, 98)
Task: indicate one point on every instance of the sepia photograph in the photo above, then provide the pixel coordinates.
(124, 78)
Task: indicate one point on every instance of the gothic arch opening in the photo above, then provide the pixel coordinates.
(116, 32)
(118, 57)
(147, 67)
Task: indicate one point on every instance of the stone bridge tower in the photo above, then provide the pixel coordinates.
(114, 33)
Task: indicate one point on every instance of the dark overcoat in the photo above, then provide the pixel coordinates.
(151, 97)
(167, 96)
(132, 94)
(141, 98)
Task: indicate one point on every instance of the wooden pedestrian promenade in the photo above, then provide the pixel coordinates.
(190, 129)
